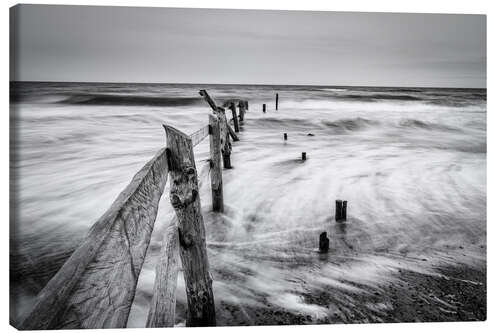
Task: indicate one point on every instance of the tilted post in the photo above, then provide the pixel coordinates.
(184, 196)
(236, 123)
(162, 309)
(215, 165)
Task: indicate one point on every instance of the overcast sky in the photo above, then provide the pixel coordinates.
(174, 45)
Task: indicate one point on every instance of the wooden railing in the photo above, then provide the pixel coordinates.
(96, 286)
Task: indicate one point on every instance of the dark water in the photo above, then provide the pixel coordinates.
(411, 162)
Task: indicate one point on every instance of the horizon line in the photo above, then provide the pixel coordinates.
(247, 84)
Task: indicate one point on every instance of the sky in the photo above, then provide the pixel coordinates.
(179, 45)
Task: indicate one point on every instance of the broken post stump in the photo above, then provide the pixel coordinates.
(226, 160)
(184, 196)
(215, 165)
(344, 210)
(338, 210)
(276, 102)
(304, 156)
(236, 122)
(285, 136)
(264, 108)
(324, 242)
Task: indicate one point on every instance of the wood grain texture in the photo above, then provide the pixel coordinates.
(215, 168)
(96, 286)
(162, 308)
(184, 196)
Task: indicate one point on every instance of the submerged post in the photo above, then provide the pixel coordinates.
(215, 165)
(304, 156)
(236, 123)
(285, 136)
(344, 210)
(338, 210)
(324, 242)
(241, 108)
(184, 196)
(276, 102)
(264, 108)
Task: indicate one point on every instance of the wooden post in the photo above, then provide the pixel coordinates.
(338, 210)
(236, 123)
(264, 108)
(216, 171)
(241, 107)
(285, 136)
(276, 102)
(304, 156)
(324, 242)
(246, 107)
(162, 309)
(184, 196)
(225, 130)
(344, 210)
(232, 134)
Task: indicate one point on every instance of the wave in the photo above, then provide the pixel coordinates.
(375, 97)
(415, 123)
(135, 100)
(350, 124)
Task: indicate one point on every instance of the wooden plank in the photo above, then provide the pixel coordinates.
(184, 196)
(232, 134)
(209, 100)
(199, 135)
(216, 170)
(162, 309)
(96, 286)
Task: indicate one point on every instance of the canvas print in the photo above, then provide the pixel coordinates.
(218, 167)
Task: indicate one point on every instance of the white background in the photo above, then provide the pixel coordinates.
(490, 8)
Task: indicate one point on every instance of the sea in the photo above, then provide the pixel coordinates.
(410, 162)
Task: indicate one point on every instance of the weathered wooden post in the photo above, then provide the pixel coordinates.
(162, 309)
(246, 107)
(338, 210)
(184, 196)
(241, 108)
(216, 171)
(304, 156)
(264, 108)
(344, 210)
(285, 136)
(276, 102)
(236, 123)
(324, 242)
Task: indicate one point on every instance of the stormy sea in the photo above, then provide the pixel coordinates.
(410, 162)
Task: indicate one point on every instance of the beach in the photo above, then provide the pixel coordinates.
(410, 162)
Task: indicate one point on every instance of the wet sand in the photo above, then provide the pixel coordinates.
(458, 294)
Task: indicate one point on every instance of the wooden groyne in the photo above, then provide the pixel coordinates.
(96, 286)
